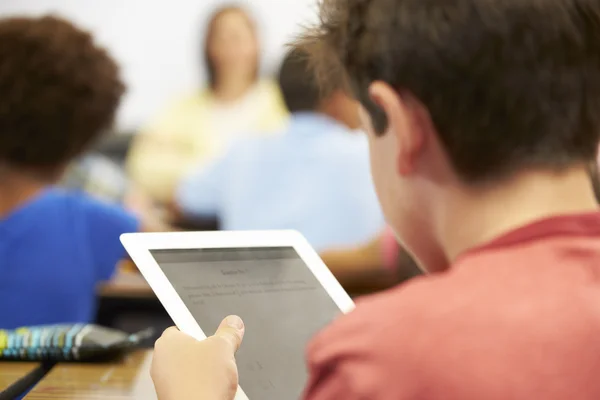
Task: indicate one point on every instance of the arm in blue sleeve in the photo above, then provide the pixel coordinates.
(106, 223)
(199, 193)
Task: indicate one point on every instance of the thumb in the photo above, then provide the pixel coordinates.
(232, 331)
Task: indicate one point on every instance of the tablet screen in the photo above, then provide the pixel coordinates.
(281, 302)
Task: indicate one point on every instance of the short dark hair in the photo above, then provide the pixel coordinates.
(58, 92)
(509, 85)
(297, 80)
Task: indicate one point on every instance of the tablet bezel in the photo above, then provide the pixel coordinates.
(140, 245)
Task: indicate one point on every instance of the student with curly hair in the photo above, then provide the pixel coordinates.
(483, 120)
(58, 93)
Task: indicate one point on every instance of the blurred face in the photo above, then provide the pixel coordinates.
(233, 48)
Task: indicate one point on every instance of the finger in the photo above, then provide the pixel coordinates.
(167, 332)
(170, 330)
(232, 331)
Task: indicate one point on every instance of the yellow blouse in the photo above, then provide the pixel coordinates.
(196, 129)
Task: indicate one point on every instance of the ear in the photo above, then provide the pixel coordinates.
(403, 120)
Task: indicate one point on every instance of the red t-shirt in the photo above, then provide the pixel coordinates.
(517, 319)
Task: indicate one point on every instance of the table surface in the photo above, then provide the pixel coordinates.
(127, 285)
(10, 372)
(125, 379)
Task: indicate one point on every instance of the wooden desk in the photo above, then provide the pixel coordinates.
(127, 303)
(133, 285)
(127, 285)
(127, 379)
(10, 372)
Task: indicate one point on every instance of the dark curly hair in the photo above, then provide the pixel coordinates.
(58, 92)
(509, 85)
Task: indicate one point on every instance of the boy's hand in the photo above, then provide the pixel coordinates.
(184, 368)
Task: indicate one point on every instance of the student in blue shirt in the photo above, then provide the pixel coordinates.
(313, 178)
(58, 92)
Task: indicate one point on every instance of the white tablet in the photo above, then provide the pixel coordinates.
(274, 280)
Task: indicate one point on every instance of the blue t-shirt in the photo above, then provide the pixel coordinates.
(54, 250)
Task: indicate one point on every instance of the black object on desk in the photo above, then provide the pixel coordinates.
(25, 383)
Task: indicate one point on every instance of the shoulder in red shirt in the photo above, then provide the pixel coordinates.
(518, 318)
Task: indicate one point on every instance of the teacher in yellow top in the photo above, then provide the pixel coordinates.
(197, 128)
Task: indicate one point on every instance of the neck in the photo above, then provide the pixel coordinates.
(335, 117)
(339, 108)
(231, 89)
(16, 189)
(473, 217)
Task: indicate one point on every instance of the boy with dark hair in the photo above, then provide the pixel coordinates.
(263, 182)
(483, 120)
(59, 91)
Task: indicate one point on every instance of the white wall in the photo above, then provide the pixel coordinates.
(157, 42)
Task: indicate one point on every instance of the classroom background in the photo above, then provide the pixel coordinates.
(219, 127)
(156, 43)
